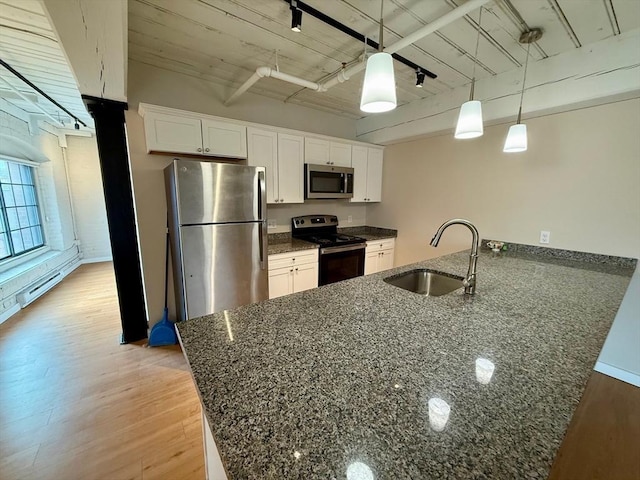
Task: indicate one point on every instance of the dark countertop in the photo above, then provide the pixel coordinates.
(311, 383)
(283, 243)
(369, 233)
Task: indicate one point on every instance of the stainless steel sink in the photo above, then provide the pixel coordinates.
(426, 282)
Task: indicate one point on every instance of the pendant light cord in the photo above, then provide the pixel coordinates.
(524, 79)
(380, 44)
(475, 57)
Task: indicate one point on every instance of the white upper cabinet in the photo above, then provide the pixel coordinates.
(262, 149)
(224, 139)
(367, 175)
(172, 133)
(340, 154)
(317, 151)
(291, 168)
(186, 132)
(282, 155)
(325, 152)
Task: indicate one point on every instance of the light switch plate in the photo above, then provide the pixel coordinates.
(349, 219)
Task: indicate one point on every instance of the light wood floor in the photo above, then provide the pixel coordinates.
(74, 404)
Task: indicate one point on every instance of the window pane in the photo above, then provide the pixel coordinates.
(4, 172)
(36, 233)
(23, 217)
(29, 195)
(18, 195)
(7, 194)
(25, 174)
(26, 238)
(34, 218)
(4, 246)
(16, 239)
(12, 216)
(14, 170)
(20, 225)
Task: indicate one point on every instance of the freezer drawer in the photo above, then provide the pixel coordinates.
(224, 266)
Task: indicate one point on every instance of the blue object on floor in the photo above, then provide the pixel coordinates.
(163, 332)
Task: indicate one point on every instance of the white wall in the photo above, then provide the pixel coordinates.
(282, 214)
(579, 180)
(160, 87)
(88, 199)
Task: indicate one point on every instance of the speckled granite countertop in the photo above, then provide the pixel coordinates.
(370, 233)
(283, 243)
(310, 385)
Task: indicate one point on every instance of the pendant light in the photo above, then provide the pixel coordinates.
(470, 117)
(517, 137)
(379, 87)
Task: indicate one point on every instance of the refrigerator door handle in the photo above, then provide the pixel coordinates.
(262, 215)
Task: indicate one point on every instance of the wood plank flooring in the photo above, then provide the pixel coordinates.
(74, 404)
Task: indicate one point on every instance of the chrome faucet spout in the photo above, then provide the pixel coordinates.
(470, 280)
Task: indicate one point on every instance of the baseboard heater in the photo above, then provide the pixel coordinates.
(38, 289)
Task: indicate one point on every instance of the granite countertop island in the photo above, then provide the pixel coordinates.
(334, 382)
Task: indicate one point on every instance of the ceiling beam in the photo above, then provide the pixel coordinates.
(598, 73)
(93, 37)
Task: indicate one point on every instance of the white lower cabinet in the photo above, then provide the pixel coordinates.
(292, 272)
(379, 255)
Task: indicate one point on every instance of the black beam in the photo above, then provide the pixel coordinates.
(358, 36)
(116, 179)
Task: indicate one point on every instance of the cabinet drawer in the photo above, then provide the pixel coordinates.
(384, 244)
(300, 257)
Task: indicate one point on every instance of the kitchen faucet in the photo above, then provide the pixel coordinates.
(470, 281)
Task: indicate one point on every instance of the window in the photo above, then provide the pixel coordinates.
(20, 225)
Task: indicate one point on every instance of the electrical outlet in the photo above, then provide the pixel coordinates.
(545, 236)
(349, 219)
(272, 224)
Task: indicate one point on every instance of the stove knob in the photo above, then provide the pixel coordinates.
(302, 222)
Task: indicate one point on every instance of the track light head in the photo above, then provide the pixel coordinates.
(419, 78)
(296, 17)
(76, 125)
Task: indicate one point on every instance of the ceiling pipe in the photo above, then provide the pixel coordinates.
(262, 72)
(345, 74)
(28, 100)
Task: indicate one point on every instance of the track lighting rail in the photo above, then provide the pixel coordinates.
(358, 36)
(37, 89)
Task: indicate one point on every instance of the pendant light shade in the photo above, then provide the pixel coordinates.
(470, 117)
(516, 139)
(469, 120)
(379, 88)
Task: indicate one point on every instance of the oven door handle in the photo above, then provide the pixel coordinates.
(346, 248)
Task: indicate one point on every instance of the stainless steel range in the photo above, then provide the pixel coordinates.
(341, 256)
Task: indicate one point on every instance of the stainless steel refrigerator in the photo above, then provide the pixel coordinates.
(218, 231)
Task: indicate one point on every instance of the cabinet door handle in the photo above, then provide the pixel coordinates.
(206, 149)
(282, 200)
(296, 269)
(291, 270)
(199, 149)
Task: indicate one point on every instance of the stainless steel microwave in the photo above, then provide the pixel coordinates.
(326, 181)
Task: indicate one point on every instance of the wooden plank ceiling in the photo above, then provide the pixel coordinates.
(29, 45)
(224, 41)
